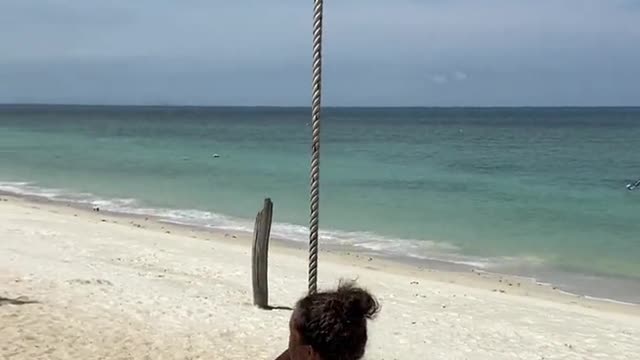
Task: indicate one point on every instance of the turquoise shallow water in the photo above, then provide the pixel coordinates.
(492, 187)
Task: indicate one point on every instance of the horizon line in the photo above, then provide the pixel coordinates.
(36, 104)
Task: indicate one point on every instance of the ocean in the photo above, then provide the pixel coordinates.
(538, 192)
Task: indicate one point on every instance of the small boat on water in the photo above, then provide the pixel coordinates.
(634, 185)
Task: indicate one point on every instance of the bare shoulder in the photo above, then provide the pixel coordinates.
(284, 356)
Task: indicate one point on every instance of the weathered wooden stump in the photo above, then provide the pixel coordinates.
(259, 255)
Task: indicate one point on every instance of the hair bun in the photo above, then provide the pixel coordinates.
(359, 304)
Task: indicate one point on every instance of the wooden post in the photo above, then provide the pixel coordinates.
(259, 253)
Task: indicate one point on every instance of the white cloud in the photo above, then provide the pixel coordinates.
(460, 76)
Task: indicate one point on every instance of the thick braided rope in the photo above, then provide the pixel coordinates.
(315, 148)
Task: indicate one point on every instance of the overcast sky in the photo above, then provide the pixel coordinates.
(257, 52)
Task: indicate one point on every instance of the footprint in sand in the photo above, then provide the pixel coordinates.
(90, 282)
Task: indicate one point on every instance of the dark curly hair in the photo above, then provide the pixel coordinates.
(334, 323)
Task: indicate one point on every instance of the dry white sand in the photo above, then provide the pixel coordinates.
(109, 287)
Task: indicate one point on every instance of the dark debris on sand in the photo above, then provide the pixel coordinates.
(21, 300)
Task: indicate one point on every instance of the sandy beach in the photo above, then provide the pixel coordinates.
(78, 284)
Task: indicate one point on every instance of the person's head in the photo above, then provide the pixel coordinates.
(331, 325)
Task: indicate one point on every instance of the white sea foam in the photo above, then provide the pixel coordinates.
(611, 301)
(25, 188)
(366, 241)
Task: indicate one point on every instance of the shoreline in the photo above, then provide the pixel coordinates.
(76, 283)
(609, 288)
(432, 270)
